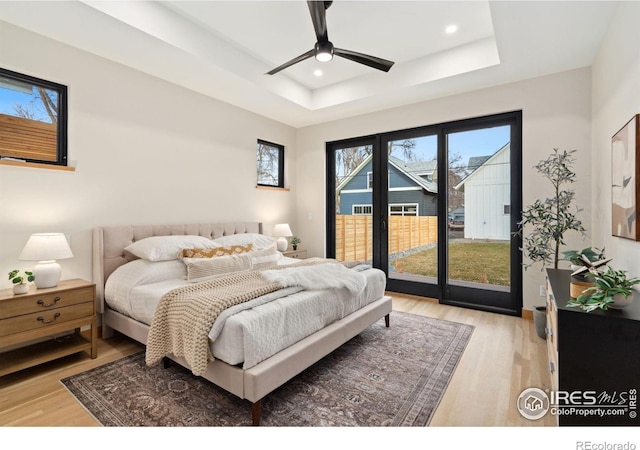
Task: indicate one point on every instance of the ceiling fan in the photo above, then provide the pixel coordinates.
(324, 50)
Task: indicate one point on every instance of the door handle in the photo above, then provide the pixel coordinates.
(383, 225)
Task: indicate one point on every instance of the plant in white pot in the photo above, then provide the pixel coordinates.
(611, 289)
(21, 281)
(545, 222)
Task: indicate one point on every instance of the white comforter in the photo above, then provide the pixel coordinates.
(251, 332)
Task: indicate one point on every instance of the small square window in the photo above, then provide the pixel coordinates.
(270, 164)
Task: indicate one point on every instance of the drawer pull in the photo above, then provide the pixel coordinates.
(46, 305)
(552, 367)
(55, 316)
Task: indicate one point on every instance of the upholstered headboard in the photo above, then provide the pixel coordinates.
(109, 244)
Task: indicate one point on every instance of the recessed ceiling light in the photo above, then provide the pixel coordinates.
(451, 29)
(317, 72)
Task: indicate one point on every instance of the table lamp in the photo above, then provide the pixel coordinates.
(282, 231)
(46, 248)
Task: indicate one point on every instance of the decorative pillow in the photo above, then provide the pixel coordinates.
(215, 252)
(165, 248)
(264, 258)
(200, 269)
(259, 241)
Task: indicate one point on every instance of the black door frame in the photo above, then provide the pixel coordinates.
(489, 300)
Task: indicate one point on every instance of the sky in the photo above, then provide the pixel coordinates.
(481, 142)
(9, 98)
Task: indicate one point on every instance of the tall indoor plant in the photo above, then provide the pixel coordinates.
(547, 221)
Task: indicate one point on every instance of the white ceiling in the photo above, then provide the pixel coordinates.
(224, 48)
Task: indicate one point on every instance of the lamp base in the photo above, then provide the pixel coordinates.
(47, 274)
(282, 244)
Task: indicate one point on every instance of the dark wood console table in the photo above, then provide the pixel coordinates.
(598, 356)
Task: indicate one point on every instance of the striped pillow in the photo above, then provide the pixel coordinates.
(200, 269)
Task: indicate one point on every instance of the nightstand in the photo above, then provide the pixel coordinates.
(299, 254)
(26, 319)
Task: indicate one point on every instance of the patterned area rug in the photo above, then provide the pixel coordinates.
(383, 377)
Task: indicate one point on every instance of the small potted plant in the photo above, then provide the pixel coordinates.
(581, 258)
(611, 289)
(585, 264)
(295, 240)
(21, 281)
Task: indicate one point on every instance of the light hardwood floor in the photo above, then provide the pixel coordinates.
(503, 357)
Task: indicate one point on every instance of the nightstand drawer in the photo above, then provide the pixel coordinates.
(298, 254)
(45, 301)
(46, 318)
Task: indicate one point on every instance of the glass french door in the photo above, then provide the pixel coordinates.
(432, 207)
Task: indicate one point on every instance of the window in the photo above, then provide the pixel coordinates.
(362, 210)
(270, 164)
(410, 209)
(369, 180)
(33, 119)
(507, 209)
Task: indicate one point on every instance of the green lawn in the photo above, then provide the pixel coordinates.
(480, 262)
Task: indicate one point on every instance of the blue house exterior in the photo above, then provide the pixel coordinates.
(412, 189)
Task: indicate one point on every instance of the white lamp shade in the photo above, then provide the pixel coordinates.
(282, 231)
(46, 248)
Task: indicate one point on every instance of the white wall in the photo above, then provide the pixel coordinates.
(556, 113)
(616, 99)
(147, 152)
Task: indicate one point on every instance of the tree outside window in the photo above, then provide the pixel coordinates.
(32, 119)
(270, 164)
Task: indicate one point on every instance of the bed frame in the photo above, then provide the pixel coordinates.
(252, 384)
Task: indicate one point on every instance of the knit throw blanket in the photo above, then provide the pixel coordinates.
(185, 315)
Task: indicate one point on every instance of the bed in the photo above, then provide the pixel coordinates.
(349, 313)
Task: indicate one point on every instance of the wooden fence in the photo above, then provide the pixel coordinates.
(25, 138)
(354, 235)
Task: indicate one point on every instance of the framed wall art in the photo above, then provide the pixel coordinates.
(625, 175)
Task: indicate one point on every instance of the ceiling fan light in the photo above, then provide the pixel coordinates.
(324, 51)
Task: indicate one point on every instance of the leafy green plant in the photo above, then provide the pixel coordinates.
(551, 218)
(295, 240)
(577, 256)
(606, 284)
(16, 278)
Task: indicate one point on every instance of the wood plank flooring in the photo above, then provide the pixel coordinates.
(503, 357)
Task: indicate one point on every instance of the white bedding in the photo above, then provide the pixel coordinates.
(250, 332)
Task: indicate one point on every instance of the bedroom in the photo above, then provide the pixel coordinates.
(136, 158)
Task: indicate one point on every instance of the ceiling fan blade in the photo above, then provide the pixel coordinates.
(319, 18)
(302, 57)
(367, 60)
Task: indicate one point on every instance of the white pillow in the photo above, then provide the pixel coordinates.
(136, 273)
(259, 241)
(165, 248)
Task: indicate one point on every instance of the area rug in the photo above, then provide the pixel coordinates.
(383, 377)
